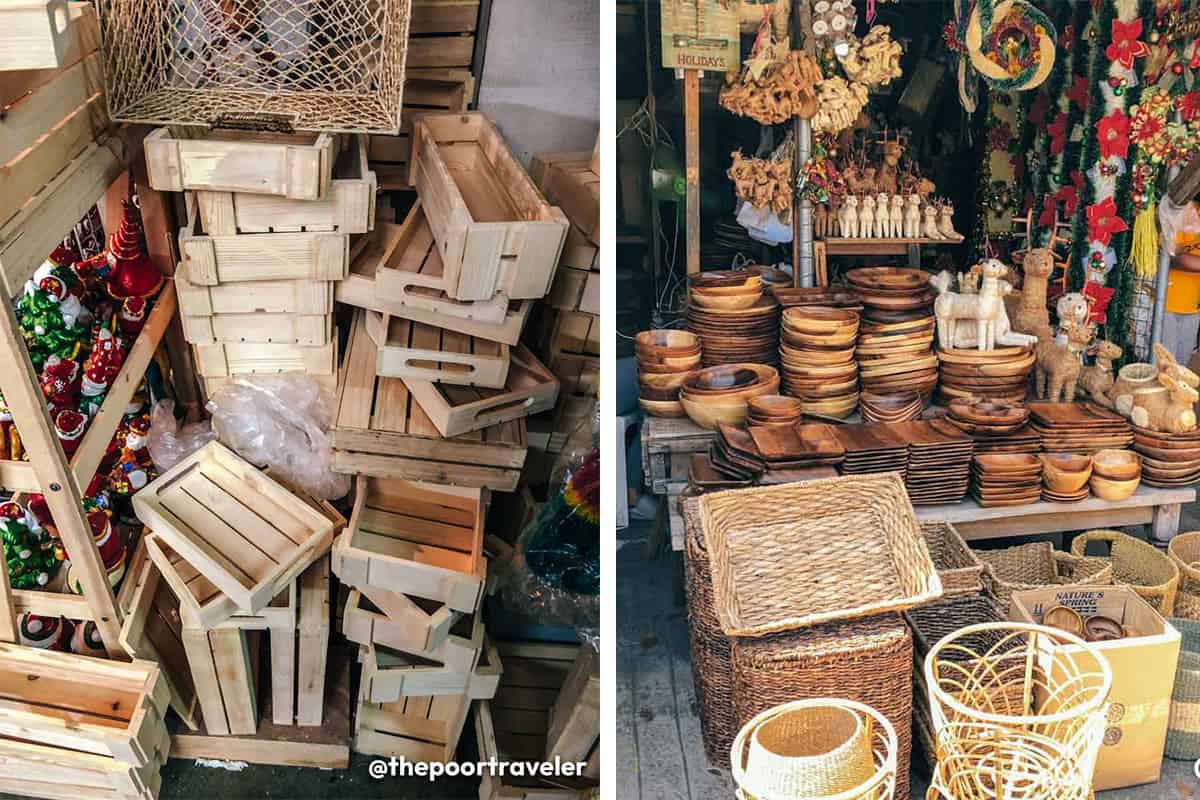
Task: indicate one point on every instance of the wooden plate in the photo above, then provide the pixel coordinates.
(908, 365)
(1000, 354)
(888, 278)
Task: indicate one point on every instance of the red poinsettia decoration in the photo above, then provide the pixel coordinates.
(1126, 45)
(1103, 221)
(1038, 108)
(1189, 105)
(1049, 215)
(1113, 134)
(1079, 91)
(1068, 195)
(1058, 133)
(1098, 298)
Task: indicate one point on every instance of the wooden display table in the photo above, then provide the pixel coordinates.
(667, 448)
(1159, 508)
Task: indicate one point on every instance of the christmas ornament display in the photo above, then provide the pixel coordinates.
(44, 633)
(28, 547)
(133, 274)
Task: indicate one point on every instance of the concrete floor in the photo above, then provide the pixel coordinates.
(658, 728)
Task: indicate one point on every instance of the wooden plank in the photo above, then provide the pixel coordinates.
(259, 297)
(306, 330)
(575, 718)
(36, 34)
(691, 113)
(443, 16)
(227, 359)
(29, 115)
(314, 629)
(440, 51)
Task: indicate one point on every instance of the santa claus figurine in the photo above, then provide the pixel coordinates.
(133, 273)
(132, 470)
(70, 425)
(108, 541)
(102, 366)
(131, 318)
(86, 641)
(45, 633)
(60, 383)
(10, 439)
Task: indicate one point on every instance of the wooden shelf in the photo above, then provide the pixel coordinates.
(878, 247)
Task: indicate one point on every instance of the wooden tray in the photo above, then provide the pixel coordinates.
(379, 429)
(300, 296)
(388, 675)
(348, 206)
(425, 729)
(797, 442)
(448, 637)
(426, 538)
(419, 352)
(242, 530)
(306, 330)
(298, 166)
(1075, 416)
(495, 230)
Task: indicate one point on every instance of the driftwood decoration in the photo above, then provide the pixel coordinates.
(762, 182)
(786, 90)
(840, 104)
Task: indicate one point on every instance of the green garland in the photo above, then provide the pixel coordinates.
(1050, 166)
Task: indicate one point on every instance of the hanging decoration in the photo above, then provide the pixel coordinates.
(874, 60)
(785, 90)
(1010, 45)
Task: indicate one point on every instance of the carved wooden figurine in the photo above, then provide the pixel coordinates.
(1096, 381)
(821, 221)
(982, 308)
(912, 216)
(848, 221)
(945, 223)
(866, 217)
(1031, 314)
(1058, 365)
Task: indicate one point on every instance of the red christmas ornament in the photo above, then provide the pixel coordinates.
(69, 425)
(60, 382)
(132, 317)
(133, 273)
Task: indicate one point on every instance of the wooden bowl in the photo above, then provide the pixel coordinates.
(728, 379)
(749, 289)
(1008, 463)
(819, 319)
(725, 277)
(1114, 490)
(710, 415)
(682, 366)
(1064, 473)
(834, 407)
(733, 302)
(774, 406)
(814, 358)
(660, 408)
(1116, 465)
(888, 278)
(836, 339)
(650, 393)
(676, 363)
(666, 339)
(670, 380)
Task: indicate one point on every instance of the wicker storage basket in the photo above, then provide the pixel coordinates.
(822, 747)
(866, 660)
(1184, 550)
(337, 65)
(1183, 729)
(785, 557)
(1151, 574)
(712, 668)
(960, 571)
(1037, 564)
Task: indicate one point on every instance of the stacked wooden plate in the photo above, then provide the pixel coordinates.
(773, 411)
(719, 394)
(799, 447)
(664, 359)
(871, 448)
(986, 417)
(1065, 477)
(734, 455)
(816, 355)
(1168, 459)
(707, 478)
(895, 343)
(892, 289)
(1000, 374)
(939, 461)
(831, 297)
(1006, 479)
(895, 407)
(735, 321)
(1079, 427)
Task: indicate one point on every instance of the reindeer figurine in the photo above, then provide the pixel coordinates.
(983, 308)
(1031, 314)
(930, 229)
(848, 217)
(882, 217)
(912, 216)
(896, 217)
(866, 217)
(1096, 381)
(1058, 365)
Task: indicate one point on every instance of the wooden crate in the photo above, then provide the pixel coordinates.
(380, 430)
(224, 664)
(305, 330)
(575, 290)
(495, 230)
(574, 332)
(423, 729)
(667, 448)
(411, 350)
(297, 296)
(440, 90)
(578, 252)
(577, 374)
(413, 624)
(34, 34)
(297, 166)
(570, 181)
(425, 538)
(446, 37)
(348, 207)
(213, 259)
(575, 718)
(228, 359)
(389, 675)
(247, 534)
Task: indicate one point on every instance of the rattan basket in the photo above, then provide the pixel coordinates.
(1184, 550)
(337, 65)
(1183, 728)
(961, 572)
(712, 666)
(1038, 564)
(818, 748)
(785, 557)
(1139, 565)
(866, 660)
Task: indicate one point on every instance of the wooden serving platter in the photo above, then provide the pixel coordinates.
(407, 349)
(247, 534)
(797, 442)
(1075, 415)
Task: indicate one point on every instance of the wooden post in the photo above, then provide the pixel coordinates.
(691, 115)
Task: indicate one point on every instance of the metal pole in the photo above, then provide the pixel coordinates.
(1161, 280)
(802, 228)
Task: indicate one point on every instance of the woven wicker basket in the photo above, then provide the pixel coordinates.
(960, 571)
(868, 660)
(1183, 729)
(1184, 550)
(1038, 564)
(712, 666)
(786, 557)
(1151, 574)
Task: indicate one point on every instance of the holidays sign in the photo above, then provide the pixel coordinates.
(700, 34)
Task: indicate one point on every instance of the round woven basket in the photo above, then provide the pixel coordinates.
(816, 748)
(1183, 727)
(712, 667)
(1140, 565)
(1184, 550)
(867, 660)
(1038, 564)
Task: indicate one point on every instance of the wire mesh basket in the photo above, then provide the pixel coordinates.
(285, 65)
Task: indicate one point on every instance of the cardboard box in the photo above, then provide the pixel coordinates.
(1143, 668)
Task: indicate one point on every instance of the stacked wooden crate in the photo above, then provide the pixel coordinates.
(233, 553)
(267, 237)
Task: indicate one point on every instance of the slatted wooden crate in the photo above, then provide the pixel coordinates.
(349, 205)
(574, 332)
(426, 538)
(305, 330)
(425, 628)
(224, 664)
(578, 252)
(418, 728)
(433, 90)
(495, 230)
(577, 374)
(34, 34)
(575, 718)
(297, 166)
(390, 674)
(570, 181)
(407, 349)
(297, 296)
(575, 290)
(441, 35)
(229, 359)
(667, 448)
(380, 430)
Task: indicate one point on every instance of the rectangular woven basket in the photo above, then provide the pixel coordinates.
(960, 570)
(790, 556)
(1037, 564)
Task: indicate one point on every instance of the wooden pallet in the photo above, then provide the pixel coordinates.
(305, 330)
(570, 181)
(380, 430)
(349, 205)
(495, 230)
(247, 534)
(439, 634)
(297, 296)
(297, 166)
(389, 675)
(423, 729)
(229, 359)
(415, 351)
(426, 538)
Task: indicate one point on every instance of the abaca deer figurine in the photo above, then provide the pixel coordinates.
(982, 308)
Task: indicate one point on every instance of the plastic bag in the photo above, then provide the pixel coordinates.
(1175, 220)
(168, 441)
(279, 421)
(764, 225)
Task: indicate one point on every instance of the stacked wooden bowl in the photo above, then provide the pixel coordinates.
(986, 416)
(1006, 479)
(895, 407)
(999, 374)
(1115, 474)
(664, 359)
(1168, 459)
(719, 394)
(773, 411)
(816, 355)
(736, 322)
(895, 343)
(1065, 477)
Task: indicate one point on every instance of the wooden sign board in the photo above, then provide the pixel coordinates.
(700, 34)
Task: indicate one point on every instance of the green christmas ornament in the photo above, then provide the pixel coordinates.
(28, 548)
(48, 314)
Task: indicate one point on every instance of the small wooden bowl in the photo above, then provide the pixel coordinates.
(1112, 490)
(672, 380)
(732, 302)
(819, 319)
(727, 379)
(1001, 463)
(659, 408)
(1064, 618)
(1116, 465)
(710, 415)
(724, 277)
(664, 395)
(682, 366)
(748, 289)
(666, 339)
(774, 406)
(1064, 473)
